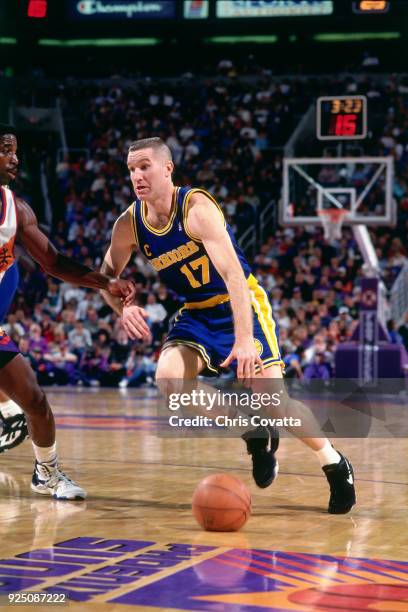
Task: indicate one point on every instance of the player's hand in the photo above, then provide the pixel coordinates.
(247, 357)
(125, 289)
(133, 321)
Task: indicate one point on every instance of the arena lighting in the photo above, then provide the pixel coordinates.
(100, 42)
(267, 39)
(351, 36)
(37, 9)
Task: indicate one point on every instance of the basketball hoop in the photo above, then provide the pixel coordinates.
(332, 220)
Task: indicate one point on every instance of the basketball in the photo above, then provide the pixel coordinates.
(221, 503)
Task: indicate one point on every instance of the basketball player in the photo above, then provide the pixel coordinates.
(226, 319)
(17, 379)
(12, 419)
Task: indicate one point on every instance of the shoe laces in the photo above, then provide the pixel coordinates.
(61, 478)
(52, 474)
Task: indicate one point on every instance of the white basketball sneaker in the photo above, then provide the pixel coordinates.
(49, 480)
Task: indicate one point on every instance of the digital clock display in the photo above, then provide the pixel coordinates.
(341, 117)
(367, 7)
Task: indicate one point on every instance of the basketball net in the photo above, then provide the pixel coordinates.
(332, 222)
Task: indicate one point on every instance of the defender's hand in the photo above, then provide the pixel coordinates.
(247, 359)
(133, 321)
(125, 289)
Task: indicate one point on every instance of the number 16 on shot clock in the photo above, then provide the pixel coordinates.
(341, 118)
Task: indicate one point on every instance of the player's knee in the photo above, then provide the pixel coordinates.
(170, 381)
(163, 372)
(166, 384)
(163, 377)
(167, 370)
(35, 402)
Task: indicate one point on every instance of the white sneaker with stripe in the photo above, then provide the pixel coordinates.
(48, 479)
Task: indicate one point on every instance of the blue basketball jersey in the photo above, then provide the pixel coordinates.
(180, 258)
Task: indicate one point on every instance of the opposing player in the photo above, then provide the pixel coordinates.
(12, 420)
(226, 319)
(17, 379)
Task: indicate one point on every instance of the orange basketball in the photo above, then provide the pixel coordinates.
(221, 503)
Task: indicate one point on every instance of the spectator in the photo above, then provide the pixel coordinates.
(403, 331)
(64, 362)
(79, 339)
(293, 365)
(395, 337)
(36, 341)
(13, 328)
(140, 368)
(42, 368)
(318, 369)
(156, 315)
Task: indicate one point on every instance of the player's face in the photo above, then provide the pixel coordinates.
(149, 172)
(8, 158)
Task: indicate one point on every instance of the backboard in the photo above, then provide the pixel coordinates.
(360, 185)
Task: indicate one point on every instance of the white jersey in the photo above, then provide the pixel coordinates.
(8, 229)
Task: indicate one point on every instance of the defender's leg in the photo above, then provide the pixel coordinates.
(18, 381)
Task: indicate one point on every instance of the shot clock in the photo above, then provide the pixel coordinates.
(341, 117)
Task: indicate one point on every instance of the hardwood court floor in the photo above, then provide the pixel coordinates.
(291, 555)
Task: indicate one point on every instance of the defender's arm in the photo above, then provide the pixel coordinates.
(56, 264)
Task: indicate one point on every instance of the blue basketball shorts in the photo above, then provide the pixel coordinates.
(8, 286)
(8, 350)
(210, 330)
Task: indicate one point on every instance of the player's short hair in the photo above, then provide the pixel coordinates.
(5, 128)
(156, 144)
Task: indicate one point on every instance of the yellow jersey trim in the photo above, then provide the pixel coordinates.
(263, 309)
(252, 282)
(173, 211)
(179, 313)
(213, 301)
(198, 347)
(132, 209)
(184, 208)
(268, 363)
(218, 299)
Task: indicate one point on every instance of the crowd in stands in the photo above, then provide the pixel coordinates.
(228, 137)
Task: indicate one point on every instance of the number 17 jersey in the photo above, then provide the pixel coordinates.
(179, 257)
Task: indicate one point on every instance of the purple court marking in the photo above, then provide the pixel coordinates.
(108, 546)
(272, 579)
(128, 571)
(238, 573)
(31, 569)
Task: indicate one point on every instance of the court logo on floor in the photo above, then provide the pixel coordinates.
(196, 577)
